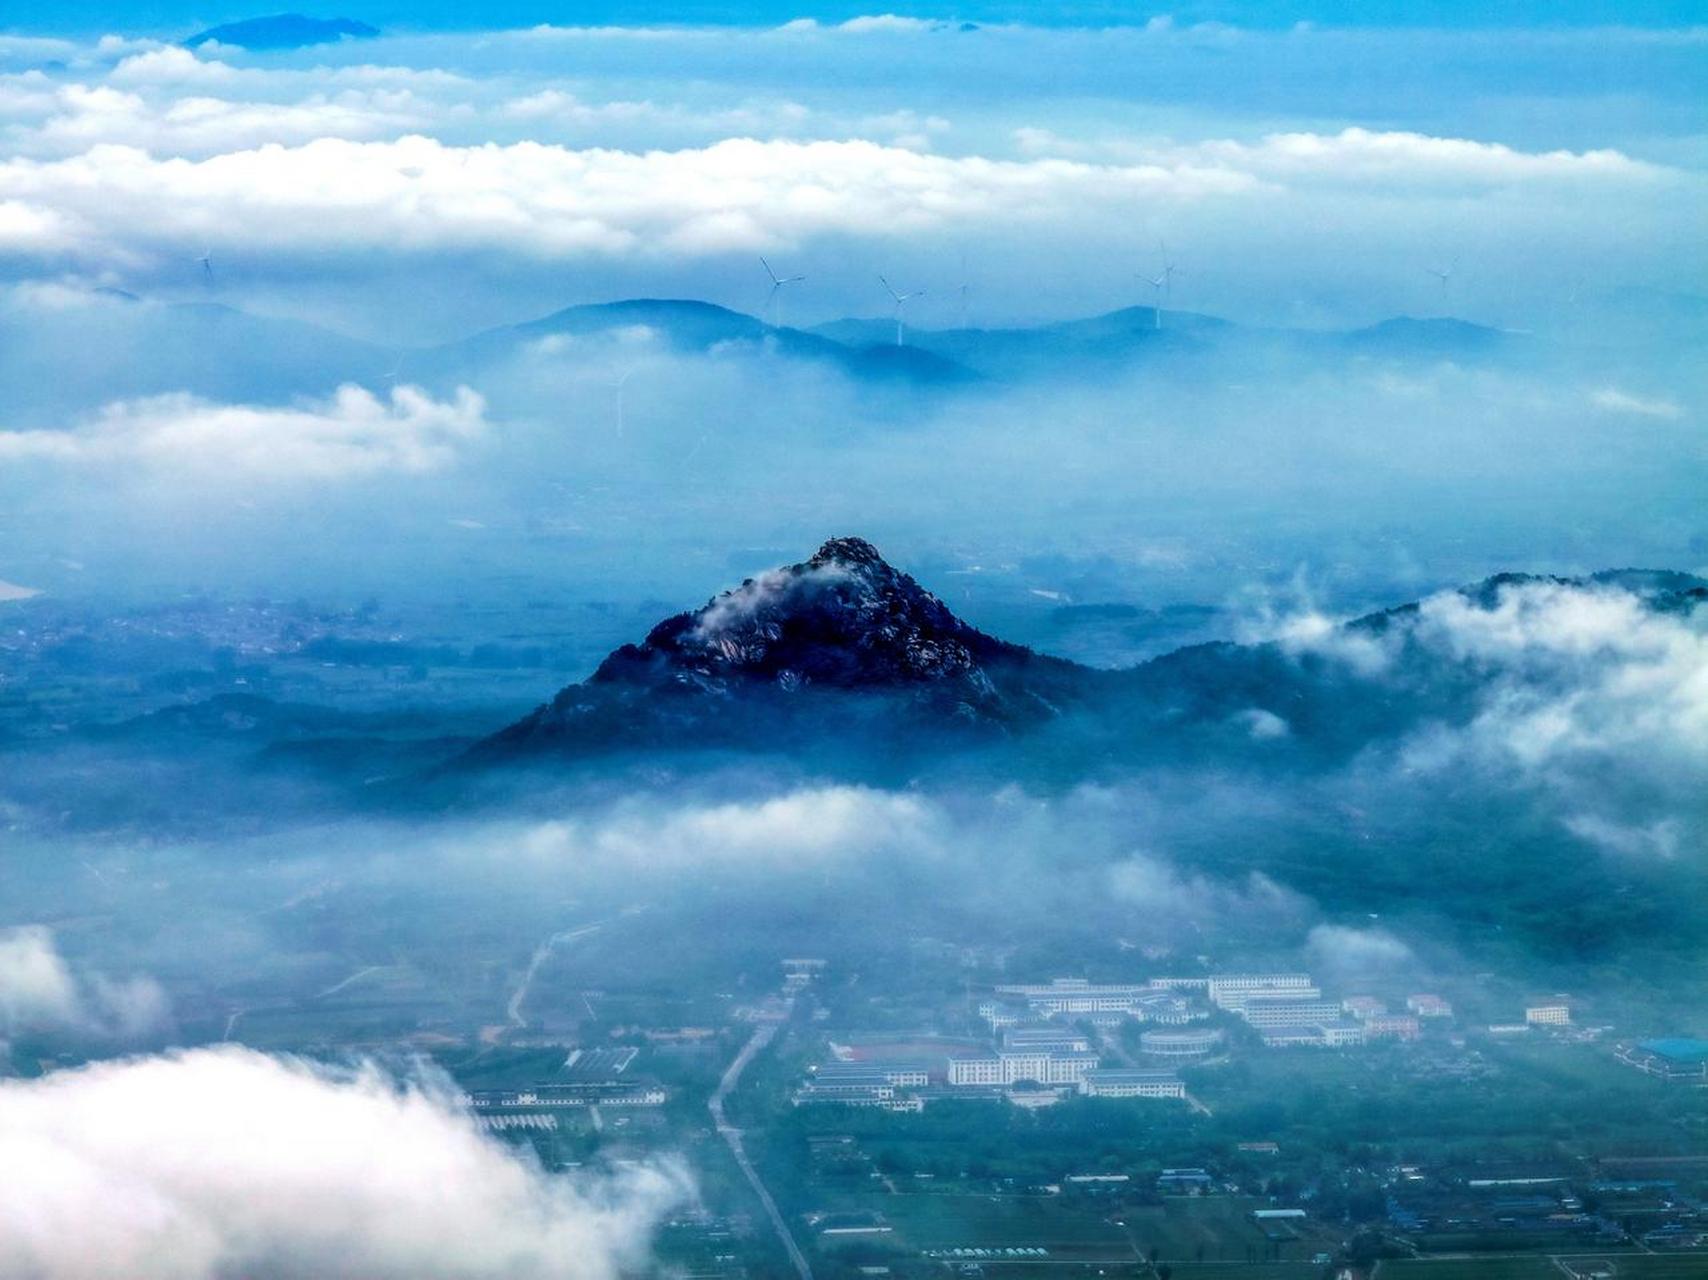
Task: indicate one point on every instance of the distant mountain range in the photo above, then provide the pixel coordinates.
(1138, 335)
(59, 363)
(690, 327)
(283, 31)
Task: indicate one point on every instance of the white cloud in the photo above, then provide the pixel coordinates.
(1263, 726)
(90, 116)
(727, 615)
(808, 827)
(1365, 156)
(171, 64)
(351, 434)
(888, 23)
(39, 993)
(1386, 159)
(1659, 840)
(36, 986)
(216, 1163)
(418, 194)
(1575, 672)
(1355, 951)
(1310, 631)
(1160, 890)
(1613, 400)
(174, 68)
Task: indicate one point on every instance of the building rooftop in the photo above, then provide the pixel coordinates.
(1128, 1075)
(1677, 1048)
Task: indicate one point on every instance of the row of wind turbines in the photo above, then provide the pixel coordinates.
(1162, 283)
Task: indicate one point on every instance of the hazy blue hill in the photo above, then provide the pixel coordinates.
(283, 31)
(63, 363)
(1089, 345)
(687, 326)
(1440, 337)
(1131, 336)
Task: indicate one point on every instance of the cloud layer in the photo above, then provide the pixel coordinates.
(351, 434)
(666, 151)
(216, 1163)
(40, 995)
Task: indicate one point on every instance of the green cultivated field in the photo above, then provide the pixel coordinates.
(1094, 1231)
(928, 1221)
(1650, 1266)
(1247, 1271)
(1627, 1266)
(1182, 1271)
(1529, 1267)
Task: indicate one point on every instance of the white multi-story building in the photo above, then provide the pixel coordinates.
(1267, 1011)
(1120, 1083)
(977, 1071)
(1045, 1068)
(1427, 1005)
(1398, 1026)
(1287, 1037)
(907, 1075)
(1336, 1035)
(1553, 1013)
(1002, 1013)
(1231, 990)
(1064, 988)
(1180, 1044)
(1012, 1066)
(1146, 1002)
(1053, 1039)
(1333, 1035)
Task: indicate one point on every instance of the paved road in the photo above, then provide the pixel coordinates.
(513, 1010)
(760, 1038)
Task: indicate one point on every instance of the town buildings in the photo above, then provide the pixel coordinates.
(1106, 1082)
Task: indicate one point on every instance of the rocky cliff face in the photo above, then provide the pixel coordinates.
(844, 622)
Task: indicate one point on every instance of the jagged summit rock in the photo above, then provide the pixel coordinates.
(844, 618)
(843, 622)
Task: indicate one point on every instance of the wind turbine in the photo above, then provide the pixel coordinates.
(1443, 274)
(207, 268)
(1163, 283)
(773, 304)
(901, 299)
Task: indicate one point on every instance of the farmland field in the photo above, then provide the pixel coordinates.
(1525, 1267)
(1208, 1237)
(1627, 1266)
(982, 1221)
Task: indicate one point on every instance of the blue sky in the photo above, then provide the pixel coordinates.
(444, 14)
